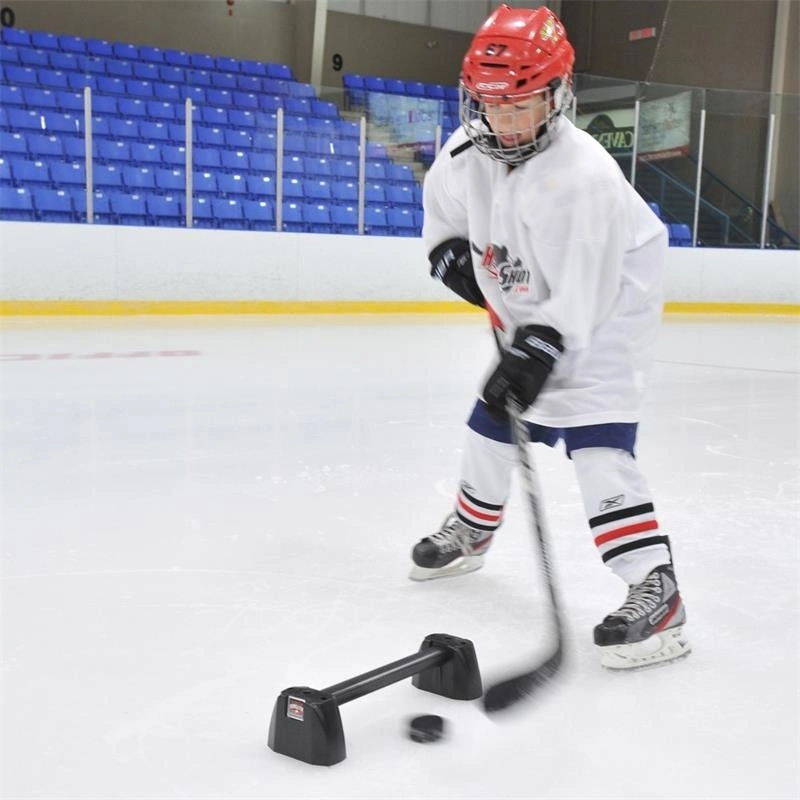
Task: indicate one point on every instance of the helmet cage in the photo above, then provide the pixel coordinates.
(557, 96)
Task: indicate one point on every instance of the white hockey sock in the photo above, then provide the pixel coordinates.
(620, 512)
(486, 468)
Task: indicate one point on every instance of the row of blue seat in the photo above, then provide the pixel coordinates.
(51, 205)
(357, 85)
(118, 82)
(42, 40)
(66, 146)
(203, 183)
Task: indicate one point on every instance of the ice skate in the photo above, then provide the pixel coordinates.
(453, 550)
(648, 628)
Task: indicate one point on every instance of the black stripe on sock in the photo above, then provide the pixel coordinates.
(622, 513)
(476, 525)
(480, 503)
(637, 545)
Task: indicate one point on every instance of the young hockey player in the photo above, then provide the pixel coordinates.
(530, 218)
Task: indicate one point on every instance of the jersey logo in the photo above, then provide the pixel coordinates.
(509, 272)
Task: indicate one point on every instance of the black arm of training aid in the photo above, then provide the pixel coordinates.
(306, 724)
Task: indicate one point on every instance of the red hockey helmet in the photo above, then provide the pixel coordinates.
(516, 53)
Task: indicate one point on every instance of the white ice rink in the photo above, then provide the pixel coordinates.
(199, 512)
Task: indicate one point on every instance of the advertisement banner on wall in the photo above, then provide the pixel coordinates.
(664, 128)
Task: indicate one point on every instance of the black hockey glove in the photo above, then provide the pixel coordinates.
(523, 368)
(451, 263)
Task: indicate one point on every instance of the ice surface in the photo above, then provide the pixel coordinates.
(199, 512)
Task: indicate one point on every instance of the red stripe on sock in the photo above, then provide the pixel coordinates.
(473, 512)
(626, 531)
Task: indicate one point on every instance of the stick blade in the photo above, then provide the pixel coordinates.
(520, 687)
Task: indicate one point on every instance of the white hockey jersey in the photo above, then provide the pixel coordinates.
(562, 240)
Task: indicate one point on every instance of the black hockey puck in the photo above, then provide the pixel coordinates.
(427, 728)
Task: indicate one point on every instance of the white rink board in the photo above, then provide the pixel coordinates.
(50, 261)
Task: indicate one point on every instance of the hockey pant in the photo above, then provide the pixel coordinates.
(616, 500)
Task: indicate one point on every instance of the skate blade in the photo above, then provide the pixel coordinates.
(459, 566)
(660, 648)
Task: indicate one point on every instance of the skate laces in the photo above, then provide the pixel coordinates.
(642, 598)
(454, 535)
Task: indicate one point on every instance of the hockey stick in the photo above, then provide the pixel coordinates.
(511, 690)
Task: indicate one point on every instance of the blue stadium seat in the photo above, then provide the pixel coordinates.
(402, 221)
(315, 165)
(241, 118)
(24, 119)
(226, 64)
(202, 213)
(153, 131)
(399, 173)
(394, 86)
(204, 183)
(104, 104)
(128, 209)
(375, 170)
(172, 74)
(66, 62)
(16, 36)
(160, 109)
(415, 89)
(322, 126)
(231, 184)
(294, 143)
(354, 90)
(249, 83)
(16, 204)
(322, 108)
(109, 85)
(273, 86)
(119, 69)
(374, 193)
(101, 207)
(246, 100)
(263, 162)
(197, 94)
(167, 92)
(347, 148)
(259, 186)
(372, 83)
(125, 50)
(344, 167)
(293, 187)
(282, 71)
(107, 176)
(207, 158)
(113, 150)
(147, 153)
(250, 67)
(70, 101)
(317, 189)
(344, 190)
(41, 98)
(165, 210)
(202, 61)
(317, 217)
(295, 124)
(435, 91)
(39, 145)
(92, 65)
(235, 160)
(25, 172)
(293, 165)
(53, 205)
(154, 55)
(293, 216)
(5, 171)
(376, 222)
(147, 72)
(297, 105)
(219, 97)
(77, 81)
(74, 147)
(170, 181)
(173, 154)
(58, 122)
(680, 235)
(67, 174)
(224, 80)
(120, 128)
(345, 218)
(30, 57)
(210, 137)
(137, 87)
(72, 44)
(176, 58)
(214, 116)
(139, 179)
(21, 76)
(198, 77)
(228, 212)
(402, 194)
(260, 214)
(240, 139)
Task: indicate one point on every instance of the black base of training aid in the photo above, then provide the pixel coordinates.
(306, 723)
